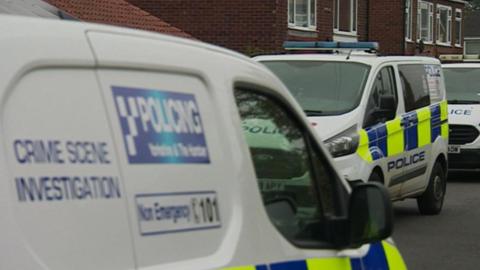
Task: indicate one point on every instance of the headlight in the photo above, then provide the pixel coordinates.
(343, 144)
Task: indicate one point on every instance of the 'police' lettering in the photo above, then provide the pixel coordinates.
(460, 112)
(406, 161)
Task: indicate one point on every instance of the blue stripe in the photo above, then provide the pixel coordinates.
(373, 142)
(382, 139)
(411, 131)
(375, 258)
(356, 264)
(435, 122)
(261, 267)
(293, 265)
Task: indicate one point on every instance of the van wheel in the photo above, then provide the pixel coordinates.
(431, 201)
(375, 177)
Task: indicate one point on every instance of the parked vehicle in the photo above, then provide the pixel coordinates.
(383, 119)
(124, 149)
(463, 92)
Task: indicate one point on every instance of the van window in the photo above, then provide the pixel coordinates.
(320, 86)
(296, 184)
(415, 86)
(383, 87)
(462, 84)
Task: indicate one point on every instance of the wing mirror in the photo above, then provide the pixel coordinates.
(370, 214)
(370, 217)
(387, 108)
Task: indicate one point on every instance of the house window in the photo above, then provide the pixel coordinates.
(425, 21)
(345, 15)
(444, 25)
(302, 13)
(408, 19)
(458, 27)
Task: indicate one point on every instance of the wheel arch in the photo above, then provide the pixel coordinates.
(378, 170)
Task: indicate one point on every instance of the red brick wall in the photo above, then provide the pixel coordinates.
(362, 20)
(386, 25)
(325, 19)
(248, 26)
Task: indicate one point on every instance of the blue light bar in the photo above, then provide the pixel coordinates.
(329, 45)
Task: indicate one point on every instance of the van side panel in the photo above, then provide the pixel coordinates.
(67, 196)
(175, 172)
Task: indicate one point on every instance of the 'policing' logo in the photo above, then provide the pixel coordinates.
(160, 126)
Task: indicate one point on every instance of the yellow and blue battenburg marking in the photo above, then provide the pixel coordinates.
(410, 131)
(380, 256)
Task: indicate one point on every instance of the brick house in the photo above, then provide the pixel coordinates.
(436, 26)
(253, 26)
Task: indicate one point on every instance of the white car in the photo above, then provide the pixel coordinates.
(384, 119)
(463, 93)
(123, 149)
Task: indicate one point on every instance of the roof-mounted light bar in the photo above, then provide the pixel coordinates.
(329, 45)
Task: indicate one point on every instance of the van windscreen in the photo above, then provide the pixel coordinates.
(321, 87)
(462, 84)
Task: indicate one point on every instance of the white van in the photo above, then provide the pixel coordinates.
(123, 149)
(463, 92)
(383, 119)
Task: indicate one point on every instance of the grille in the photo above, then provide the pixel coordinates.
(462, 134)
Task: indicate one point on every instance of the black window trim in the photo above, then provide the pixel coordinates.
(394, 74)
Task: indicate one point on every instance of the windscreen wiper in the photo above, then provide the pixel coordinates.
(313, 112)
(463, 101)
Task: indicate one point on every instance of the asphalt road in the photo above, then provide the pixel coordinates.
(449, 241)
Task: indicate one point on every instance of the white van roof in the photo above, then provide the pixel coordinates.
(368, 59)
(462, 65)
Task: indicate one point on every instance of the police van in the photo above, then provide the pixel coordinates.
(124, 149)
(462, 82)
(383, 119)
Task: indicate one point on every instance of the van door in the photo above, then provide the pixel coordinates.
(417, 126)
(68, 198)
(170, 148)
(383, 127)
(300, 190)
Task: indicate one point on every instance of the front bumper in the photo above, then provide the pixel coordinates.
(467, 159)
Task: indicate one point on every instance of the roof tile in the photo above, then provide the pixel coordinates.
(116, 12)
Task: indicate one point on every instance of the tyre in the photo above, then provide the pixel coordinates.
(431, 201)
(375, 177)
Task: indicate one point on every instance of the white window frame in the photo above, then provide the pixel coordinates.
(429, 39)
(353, 18)
(458, 43)
(310, 27)
(409, 18)
(449, 25)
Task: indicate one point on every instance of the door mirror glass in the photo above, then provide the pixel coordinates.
(388, 103)
(370, 214)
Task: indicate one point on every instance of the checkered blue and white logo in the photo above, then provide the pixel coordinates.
(160, 126)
